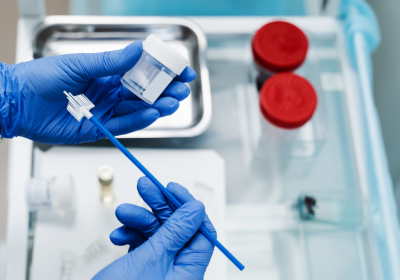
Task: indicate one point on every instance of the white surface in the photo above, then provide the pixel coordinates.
(356, 124)
(3, 189)
(2, 260)
(331, 82)
(201, 171)
(17, 224)
(248, 25)
(379, 160)
(18, 174)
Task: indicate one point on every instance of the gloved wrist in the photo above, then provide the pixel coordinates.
(10, 114)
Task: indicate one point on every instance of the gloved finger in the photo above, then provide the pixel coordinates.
(94, 65)
(180, 192)
(187, 75)
(126, 94)
(127, 236)
(137, 218)
(179, 228)
(166, 106)
(183, 195)
(154, 198)
(176, 90)
(128, 107)
(199, 251)
(132, 122)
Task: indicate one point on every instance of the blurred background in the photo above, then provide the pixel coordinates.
(386, 59)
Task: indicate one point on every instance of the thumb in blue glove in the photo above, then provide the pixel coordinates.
(163, 245)
(32, 103)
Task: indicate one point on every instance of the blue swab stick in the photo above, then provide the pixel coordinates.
(79, 106)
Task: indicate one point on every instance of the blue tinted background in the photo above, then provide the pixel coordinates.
(188, 8)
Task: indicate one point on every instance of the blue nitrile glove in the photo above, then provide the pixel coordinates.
(163, 245)
(32, 103)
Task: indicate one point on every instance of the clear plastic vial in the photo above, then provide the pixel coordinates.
(105, 174)
(344, 210)
(277, 47)
(57, 193)
(156, 68)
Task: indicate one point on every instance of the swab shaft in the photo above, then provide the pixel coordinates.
(164, 191)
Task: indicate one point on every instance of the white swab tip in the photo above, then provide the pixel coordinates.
(79, 106)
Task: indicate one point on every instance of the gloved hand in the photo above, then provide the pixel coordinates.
(32, 103)
(163, 245)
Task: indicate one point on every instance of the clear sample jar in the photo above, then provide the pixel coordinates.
(279, 134)
(277, 47)
(156, 68)
(287, 102)
(57, 193)
(105, 174)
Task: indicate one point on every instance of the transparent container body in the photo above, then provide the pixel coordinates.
(148, 78)
(107, 194)
(260, 75)
(343, 210)
(273, 133)
(105, 174)
(287, 152)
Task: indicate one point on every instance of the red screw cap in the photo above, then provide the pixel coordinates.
(287, 100)
(279, 47)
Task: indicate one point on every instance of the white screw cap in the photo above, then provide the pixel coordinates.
(165, 54)
(105, 174)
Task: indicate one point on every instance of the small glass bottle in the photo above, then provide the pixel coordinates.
(277, 47)
(344, 210)
(156, 68)
(105, 174)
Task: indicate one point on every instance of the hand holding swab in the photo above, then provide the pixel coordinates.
(79, 106)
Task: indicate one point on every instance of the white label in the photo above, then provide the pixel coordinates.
(39, 194)
(332, 82)
(157, 86)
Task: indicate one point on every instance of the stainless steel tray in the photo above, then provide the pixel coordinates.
(62, 35)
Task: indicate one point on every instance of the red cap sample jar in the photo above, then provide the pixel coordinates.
(287, 102)
(278, 47)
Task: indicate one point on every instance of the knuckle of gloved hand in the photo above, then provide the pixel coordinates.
(213, 231)
(150, 224)
(143, 183)
(197, 206)
(122, 210)
(171, 103)
(159, 244)
(183, 88)
(181, 192)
